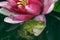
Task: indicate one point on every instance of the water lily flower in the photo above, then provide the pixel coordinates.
(23, 10)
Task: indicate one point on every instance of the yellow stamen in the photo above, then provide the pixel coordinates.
(19, 5)
(22, 2)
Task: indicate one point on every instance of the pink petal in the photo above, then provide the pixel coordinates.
(35, 2)
(47, 4)
(12, 2)
(3, 3)
(40, 18)
(50, 8)
(9, 20)
(33, 9)
(22, 17)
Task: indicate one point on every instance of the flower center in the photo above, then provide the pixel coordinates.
(21, 3)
